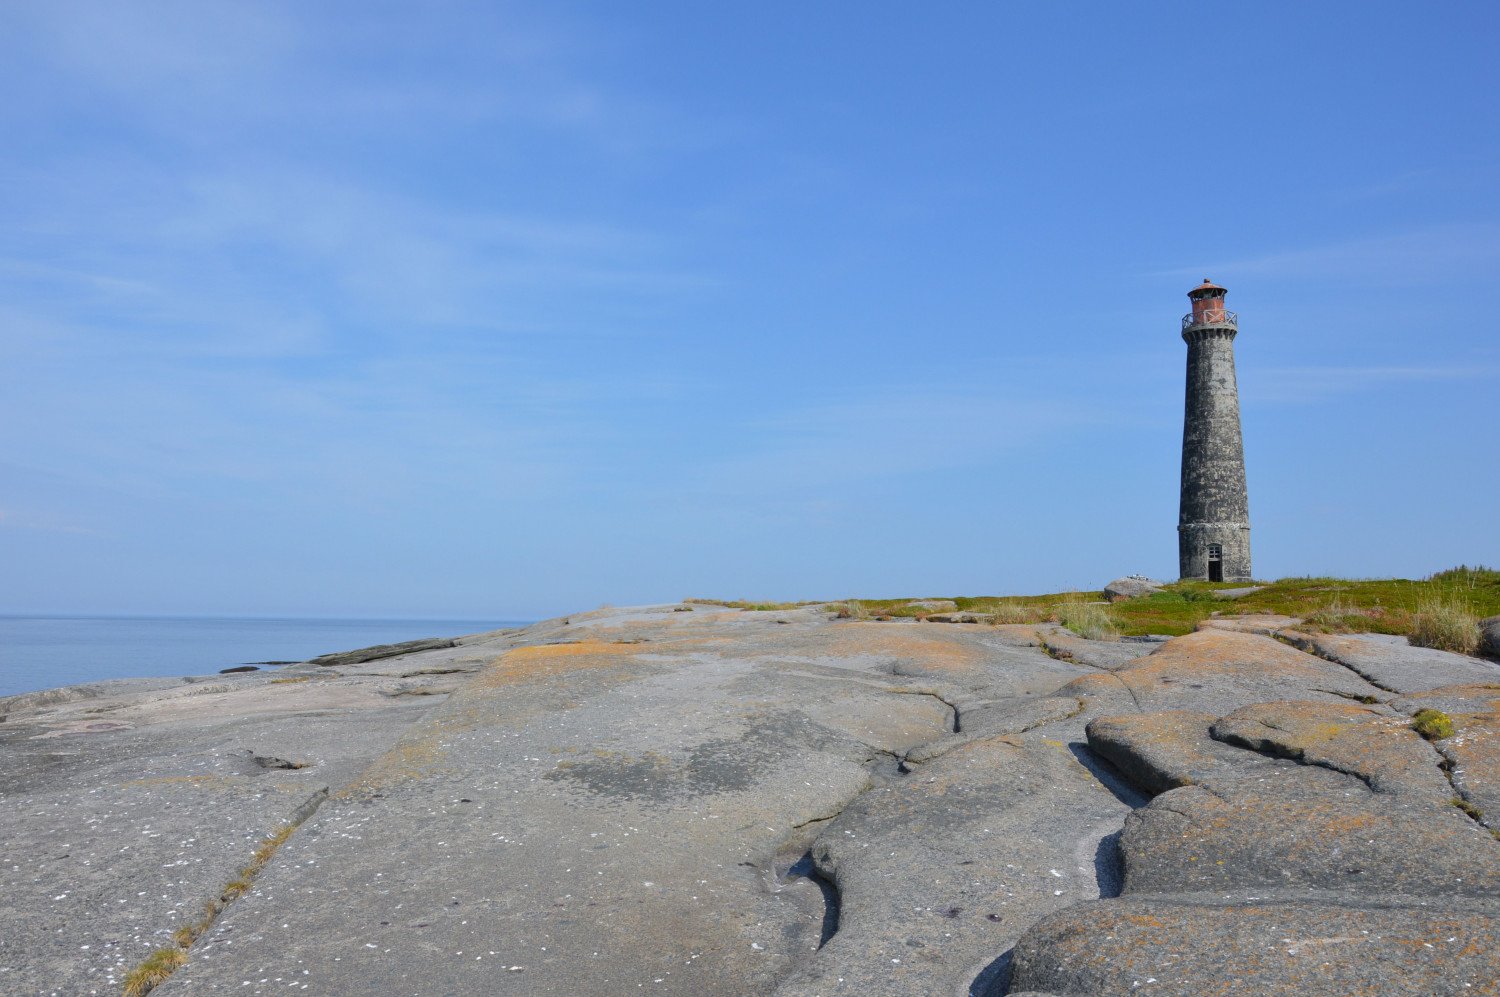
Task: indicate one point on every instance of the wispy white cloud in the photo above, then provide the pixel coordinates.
(885, 434)
(43, 522)
(209, 73)
(1316, 383)
(1420, 256)
(206, 268)
(1400, 183)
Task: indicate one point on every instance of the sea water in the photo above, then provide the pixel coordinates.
(40, 652)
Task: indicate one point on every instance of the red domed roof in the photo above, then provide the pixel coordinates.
(1207, 289)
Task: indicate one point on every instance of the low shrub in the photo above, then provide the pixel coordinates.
(1434, 725)
(1464, 576)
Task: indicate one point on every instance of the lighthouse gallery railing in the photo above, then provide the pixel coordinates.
(1213, 316)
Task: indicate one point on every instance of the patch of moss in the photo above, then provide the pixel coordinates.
(1434, 725)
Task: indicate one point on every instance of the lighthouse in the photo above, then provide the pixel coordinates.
(1213, 523)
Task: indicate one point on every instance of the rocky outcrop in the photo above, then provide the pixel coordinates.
(1296, 845)
(1392, 663)
(132, 808)
(1219, 670)
(1472, 754)
(1252, 945)
(746, 803)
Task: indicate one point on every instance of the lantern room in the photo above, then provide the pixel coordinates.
(1208, 302)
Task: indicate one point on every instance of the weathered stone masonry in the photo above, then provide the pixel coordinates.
(1213, 525)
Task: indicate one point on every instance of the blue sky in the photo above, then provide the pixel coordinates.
(485, 309)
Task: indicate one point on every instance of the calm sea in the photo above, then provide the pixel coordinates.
(39, 652)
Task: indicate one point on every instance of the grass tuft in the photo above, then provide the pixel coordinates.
(1337, 616)
(1017, 612)
(1467, 807)
(153, 970)
(1445, 624)
(1434, 725)
(851, 610)
(1087, 619)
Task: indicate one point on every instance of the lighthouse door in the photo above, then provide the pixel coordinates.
(1215, 563)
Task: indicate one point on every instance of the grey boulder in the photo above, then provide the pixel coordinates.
(1131, 587)
(1489, 636)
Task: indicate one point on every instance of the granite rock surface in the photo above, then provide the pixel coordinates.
(690, 799)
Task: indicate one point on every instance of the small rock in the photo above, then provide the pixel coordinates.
(1238, 593)
(951, 618)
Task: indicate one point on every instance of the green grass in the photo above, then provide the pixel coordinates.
(1019, 612)
(1386, 605)
(1378, 605)
(749, 605)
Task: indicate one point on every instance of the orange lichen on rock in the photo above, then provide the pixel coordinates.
(1023, 634)
(1380, 749)
(1254, 623)
(545, 661)
(1226, 652)
(914, 649)
(1214, 669)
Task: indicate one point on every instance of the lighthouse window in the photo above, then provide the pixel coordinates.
(1215, 552)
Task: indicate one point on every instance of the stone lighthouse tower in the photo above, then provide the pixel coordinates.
(1213, 525)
